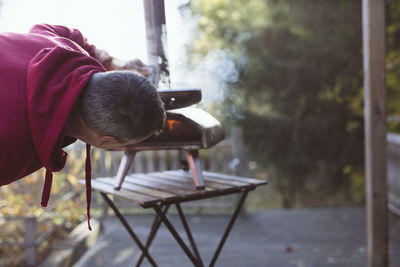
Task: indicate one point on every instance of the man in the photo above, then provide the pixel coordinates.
(55, 88)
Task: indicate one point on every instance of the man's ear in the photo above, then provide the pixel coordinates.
(106, 139)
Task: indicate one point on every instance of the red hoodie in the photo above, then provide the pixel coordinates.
(42, 74)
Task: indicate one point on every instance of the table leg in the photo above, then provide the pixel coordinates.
(189, 234)
(128, 228)
(178, 239)
(155, 226)
(229, 227)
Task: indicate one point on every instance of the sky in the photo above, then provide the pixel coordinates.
(118, 27)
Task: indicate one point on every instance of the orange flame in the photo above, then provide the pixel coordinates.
(172, 124)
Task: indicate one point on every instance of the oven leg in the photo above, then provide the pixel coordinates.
(128, 228)
(194, 163)
(123, 168)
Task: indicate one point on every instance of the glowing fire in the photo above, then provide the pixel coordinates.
(172, 124)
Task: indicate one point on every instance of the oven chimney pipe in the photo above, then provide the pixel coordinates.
(156, 39)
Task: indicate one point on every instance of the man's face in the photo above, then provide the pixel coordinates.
(99, 140)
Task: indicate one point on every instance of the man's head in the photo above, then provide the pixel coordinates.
(121, 107)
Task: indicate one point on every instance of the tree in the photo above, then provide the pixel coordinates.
(393, 62)
(299, 91)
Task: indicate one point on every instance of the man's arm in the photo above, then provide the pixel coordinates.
(109, 62)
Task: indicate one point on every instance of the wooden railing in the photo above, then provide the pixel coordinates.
(30, 242)
(226, 157)
(32, 238)
(393, 172)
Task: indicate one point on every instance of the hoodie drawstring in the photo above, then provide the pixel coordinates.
(88, 176)
(46, 189)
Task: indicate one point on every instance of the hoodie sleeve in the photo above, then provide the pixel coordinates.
(55, 78)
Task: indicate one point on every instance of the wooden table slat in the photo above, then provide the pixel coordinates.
(229, 182)
(142, 190)
(235, 178)
(138, 198)
(188, 188)
(157, 186)
(188, 177)
(220, 180)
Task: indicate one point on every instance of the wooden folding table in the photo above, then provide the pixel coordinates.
(160, 190)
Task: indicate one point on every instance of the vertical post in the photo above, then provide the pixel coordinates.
(238, 153)
(175, 159)
(375, 131)
(30, 241)
(138, 164)
(162, 160)
(213, 159)
(238, 150)
(102, 172)
(226, 159)
(150, 161)
(156, 36)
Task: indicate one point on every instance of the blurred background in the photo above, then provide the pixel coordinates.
(284, 77)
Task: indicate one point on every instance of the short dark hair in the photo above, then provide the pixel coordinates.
(122, 104)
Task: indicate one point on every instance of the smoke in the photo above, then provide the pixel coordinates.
(214, 73)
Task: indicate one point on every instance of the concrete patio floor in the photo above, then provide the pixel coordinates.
(315, 237)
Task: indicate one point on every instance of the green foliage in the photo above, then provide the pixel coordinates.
(22, 197)
(393, 63)
(300, 86)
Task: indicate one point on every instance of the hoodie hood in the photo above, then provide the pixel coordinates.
(55, 79)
